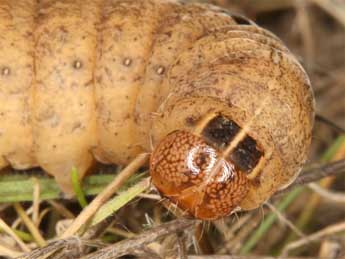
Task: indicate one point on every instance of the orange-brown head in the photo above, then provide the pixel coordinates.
(199, 173)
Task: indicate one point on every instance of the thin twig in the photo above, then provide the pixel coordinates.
(236, 243)
(101, 198)
(268, 222)
(121, 248)
(66, 247)
(285, 220)
(150, 196)
(120, 232)
(315, 174)
(329, 123)
(229, 233)
(330, 195)
(42, 214)
(339, 227)
(62, 210)
(96, 230)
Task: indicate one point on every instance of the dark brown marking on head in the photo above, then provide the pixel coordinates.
(220, 131)
(246, 155)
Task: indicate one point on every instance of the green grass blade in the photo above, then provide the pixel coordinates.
(120, 200)
(77, 188)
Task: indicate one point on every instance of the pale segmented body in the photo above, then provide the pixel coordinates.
(105, 80)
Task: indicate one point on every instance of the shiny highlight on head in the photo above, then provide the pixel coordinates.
(195, 176)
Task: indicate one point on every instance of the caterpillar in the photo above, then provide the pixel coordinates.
(225, 108)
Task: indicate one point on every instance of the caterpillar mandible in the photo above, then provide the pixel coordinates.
(226, 108)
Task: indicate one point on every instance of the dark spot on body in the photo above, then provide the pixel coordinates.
(63, 29)
(191, 120)
(77, 64)
(127, 62)
(89, 83)
(99, 79)
(76, 126)
(168, 33)
(137, 78)
(5, 71)
(160, 70)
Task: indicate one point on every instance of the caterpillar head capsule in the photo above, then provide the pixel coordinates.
(204, 175)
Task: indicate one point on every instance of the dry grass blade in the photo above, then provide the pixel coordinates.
(90, 210)
(10, 232)
(229, 233)
(329, 249)
(336, 8)
(30, 225)
(330, 230)
(61, 210)
(285, 220)
(67, 247)
(330, 195)
(303, 22)
(236, 244)
(124, 247)
(4, 251)
(315, 174)
(36, 202)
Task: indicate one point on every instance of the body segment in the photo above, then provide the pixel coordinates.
(16, 83)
